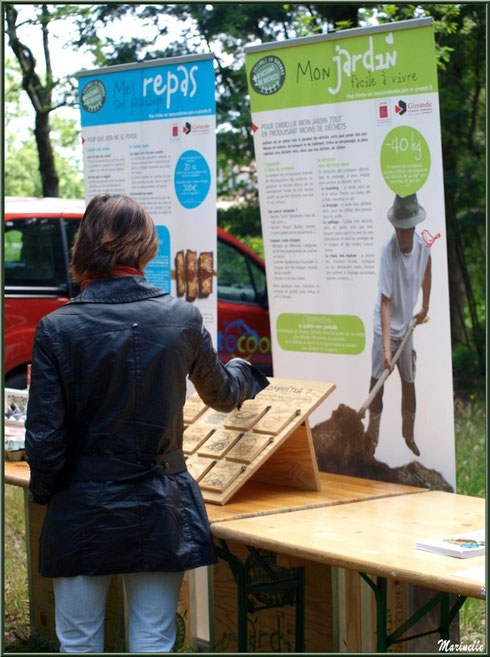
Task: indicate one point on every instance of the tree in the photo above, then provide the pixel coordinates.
(39, 88)
(22, 175)
(463, 131)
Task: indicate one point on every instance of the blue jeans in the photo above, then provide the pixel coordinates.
(152, 605)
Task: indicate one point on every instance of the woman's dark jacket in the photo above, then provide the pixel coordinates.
(104, 429)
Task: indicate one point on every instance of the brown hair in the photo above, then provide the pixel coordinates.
(115, 230)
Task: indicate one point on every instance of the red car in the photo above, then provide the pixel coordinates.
(38, 236)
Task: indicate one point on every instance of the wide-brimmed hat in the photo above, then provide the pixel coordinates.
(406, 212)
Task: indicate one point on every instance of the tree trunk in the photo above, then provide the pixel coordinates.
(461, 290)
(457, 296)
(39, 95)
(47, 169)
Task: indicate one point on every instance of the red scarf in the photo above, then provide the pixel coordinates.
(119, 270)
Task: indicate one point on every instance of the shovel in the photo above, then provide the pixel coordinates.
(386, 373)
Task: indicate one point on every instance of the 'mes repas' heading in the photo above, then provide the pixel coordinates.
(162, 86)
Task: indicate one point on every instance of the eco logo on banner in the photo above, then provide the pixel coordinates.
(267, 75)
(348, 150)
(93, 96)
(148, 131)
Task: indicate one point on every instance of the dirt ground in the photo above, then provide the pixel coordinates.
(343, 447)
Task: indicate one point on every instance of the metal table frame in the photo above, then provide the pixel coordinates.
(385, 640)
(294, 585)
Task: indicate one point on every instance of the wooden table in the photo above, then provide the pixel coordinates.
(257, 499)
(17, 473)
(376, 538)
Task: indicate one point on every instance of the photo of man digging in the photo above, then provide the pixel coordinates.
(405, 268)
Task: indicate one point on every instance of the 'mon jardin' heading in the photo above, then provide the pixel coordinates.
(346, 63)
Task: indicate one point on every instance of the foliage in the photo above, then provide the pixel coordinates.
(15, 567)
(241, 220)
(44, 90)
(225, 29)
(467, 375)
(470, 432)
(472, 621)
(256, 243)
(22, 176)
(470, 421)
(13, 87)
(463, 130)
(65, 134)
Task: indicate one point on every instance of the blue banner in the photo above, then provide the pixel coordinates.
(147, 93)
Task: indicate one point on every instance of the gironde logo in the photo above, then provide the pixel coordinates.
(401, 108)
(93, 96)
(267, 75)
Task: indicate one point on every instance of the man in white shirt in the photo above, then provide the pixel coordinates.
(405, 268)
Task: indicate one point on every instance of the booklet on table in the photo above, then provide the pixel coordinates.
(463, 545)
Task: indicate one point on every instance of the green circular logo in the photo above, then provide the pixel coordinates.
(405, 160)
(93, 96)
(267, 75)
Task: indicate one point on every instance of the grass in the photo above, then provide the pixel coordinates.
(16, 619)
(470, 447)
(470, 480)
(470, 477)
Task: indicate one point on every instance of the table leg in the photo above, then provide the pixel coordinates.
(380, 596)
(384, 640)
(444, 629)
(448, 615)
(238, 573)
(296, 584)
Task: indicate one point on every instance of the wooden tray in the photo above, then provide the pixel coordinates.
(279, 452)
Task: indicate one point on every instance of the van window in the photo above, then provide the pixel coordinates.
(34, 253)
(259, 279)
(235, 281)
(72, 226)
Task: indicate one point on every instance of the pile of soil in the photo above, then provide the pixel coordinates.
(343, 447)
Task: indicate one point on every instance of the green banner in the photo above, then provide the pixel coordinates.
(374, 65)
(329, 334)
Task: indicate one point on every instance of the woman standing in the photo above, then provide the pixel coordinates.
(104, 434)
